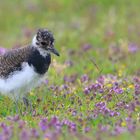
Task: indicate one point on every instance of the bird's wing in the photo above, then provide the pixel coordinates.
(13, 59)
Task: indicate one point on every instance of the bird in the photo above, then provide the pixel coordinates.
(23, 68)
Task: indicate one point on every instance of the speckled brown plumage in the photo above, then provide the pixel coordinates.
(13, 59)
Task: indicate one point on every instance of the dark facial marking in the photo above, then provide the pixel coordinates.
(44, 43)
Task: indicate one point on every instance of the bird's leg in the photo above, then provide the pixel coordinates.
(16, 104)
(27, 104)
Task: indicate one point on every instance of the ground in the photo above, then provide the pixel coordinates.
(92, 91)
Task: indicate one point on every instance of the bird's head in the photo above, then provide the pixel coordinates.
(44, 40)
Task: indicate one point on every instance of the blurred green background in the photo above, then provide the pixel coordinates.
(92, 36)
(71, 21)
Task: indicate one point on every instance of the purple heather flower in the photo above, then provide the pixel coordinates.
(103, 128)
(87, 129)
(72, 126)
(128, 119)
(2, 137)
(108, 97)
(58, 126)
(120, 105)
(100, 104)
(101, 108)
(98, 85)
(131, 127)
(46, 81)
(51, 135)
(101, 91)
(84, 78)
(114, 113)
(86, 47)
(116, 84)
(136, 80)
(132, 107)
(53, 87)
(65, 122)
(118, 90)
(34, 133)
(119, 130)
(95, 87)
(70, 79)
(7, 132)
(69, 63)
(54, 120)
(133, 48)
(2, 50)
(138, 103)
(137, 89)
(126, 106)
(74, 113)
(101, 80)
(14, 118)
(43, 124)
(86, 90)
(64, 87)
(24, 135)
(106, 111)
(2, 125)
(21, 124)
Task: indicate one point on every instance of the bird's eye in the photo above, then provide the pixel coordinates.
(43, 43)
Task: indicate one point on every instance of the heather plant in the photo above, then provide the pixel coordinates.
(92, 91)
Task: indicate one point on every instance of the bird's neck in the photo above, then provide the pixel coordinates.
(43, 52)
(40, 63)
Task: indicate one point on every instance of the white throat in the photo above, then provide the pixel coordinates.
(34, 41)
(41, 51)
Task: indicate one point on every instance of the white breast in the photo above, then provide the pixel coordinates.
(20, 82)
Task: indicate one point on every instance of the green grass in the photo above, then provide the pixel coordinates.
(74, 24)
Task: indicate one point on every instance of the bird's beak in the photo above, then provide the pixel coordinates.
(54, 51)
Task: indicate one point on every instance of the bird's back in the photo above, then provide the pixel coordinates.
(12, 60)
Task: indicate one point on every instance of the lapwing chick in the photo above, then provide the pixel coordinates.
(23, 69)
